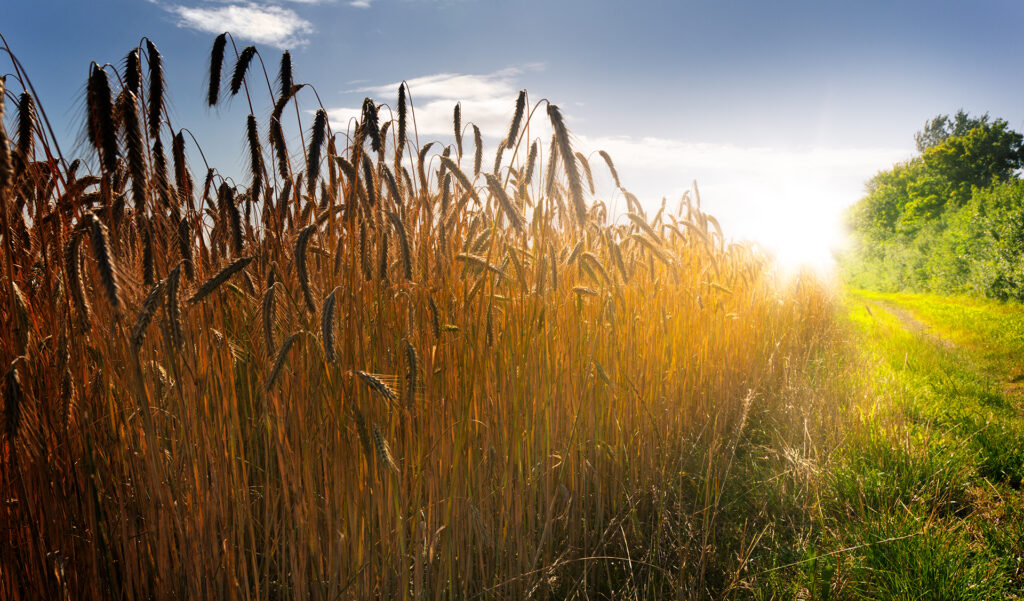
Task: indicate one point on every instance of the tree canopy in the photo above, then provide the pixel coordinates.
(925, 222)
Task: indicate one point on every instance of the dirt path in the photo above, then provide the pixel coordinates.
(1011, 385)
(912, 324)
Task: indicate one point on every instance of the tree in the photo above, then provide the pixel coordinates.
(949, 219)
(937, 130)
(987, 154)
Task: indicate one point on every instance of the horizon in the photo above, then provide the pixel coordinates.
(771, 125)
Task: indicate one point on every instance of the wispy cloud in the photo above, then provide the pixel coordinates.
(360, 3)
(264, 24)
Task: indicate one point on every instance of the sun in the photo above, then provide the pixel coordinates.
(801, 229)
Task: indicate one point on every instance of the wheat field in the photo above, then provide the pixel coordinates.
(374, 369)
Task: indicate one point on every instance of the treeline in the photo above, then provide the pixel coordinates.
(949, 220)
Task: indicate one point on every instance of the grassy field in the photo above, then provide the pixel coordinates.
(378, 369)
(938, 456)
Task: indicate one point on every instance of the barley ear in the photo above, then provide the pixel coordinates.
(221, 277)
(455, 170)
(369, 125)
(402, 118)
(5, 152)
(241, 66)
(568, 163)
(316, 143)
(611, 167)
(100, 242)
(498, 192)
(216, 64)
(102, 131)
(146, 313)
(173, 307)
(282, 355)
(255, 156)
(403, 241)
(284, 76)
(72, 267)
(300, 264)
(26, 126)
(457, 123)
(377, 385)
(478, 157)
(128, 111)
(327, 324)
(156, 88)
(531, 163)
(133, 71)
(517, 120)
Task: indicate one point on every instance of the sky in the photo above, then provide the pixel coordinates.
(781, 111)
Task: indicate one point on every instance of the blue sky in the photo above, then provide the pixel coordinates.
(780, 110)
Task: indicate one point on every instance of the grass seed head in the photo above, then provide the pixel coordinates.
(216, 65)
(241, 66)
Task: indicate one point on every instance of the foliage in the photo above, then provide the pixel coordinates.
(947, 220)
(937, 129)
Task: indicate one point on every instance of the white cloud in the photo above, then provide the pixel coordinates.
(271, 25)
(488, 101)
(360, 3)
(791, 200)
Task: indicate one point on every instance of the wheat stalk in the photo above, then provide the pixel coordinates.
(517, 120)
(156, 87)
(216, 63)
(383, 451)
(284, 74)
(316, 142)
(102, 130)
(327, 323)
(457, 125)
(377, 385)
(222, 276)
(173, 306)
(478, 156)
(146, 313)
(300, 264)
(568, 163)
(282, 355)
(26, 125)
(498, 192)
(241, 66)
(104, 260)
(403, 241)
(133, 71)
(402, 126)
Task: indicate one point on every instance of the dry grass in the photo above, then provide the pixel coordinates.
(482, 389)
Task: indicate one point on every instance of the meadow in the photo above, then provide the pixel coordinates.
(380, 368)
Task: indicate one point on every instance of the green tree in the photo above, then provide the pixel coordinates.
(948, 220)
(937, 129)
(985, 155)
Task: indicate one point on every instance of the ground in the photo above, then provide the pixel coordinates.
(923, 500)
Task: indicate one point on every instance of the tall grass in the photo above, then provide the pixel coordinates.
(346, 380)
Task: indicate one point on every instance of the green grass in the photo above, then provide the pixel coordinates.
(923, 499)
